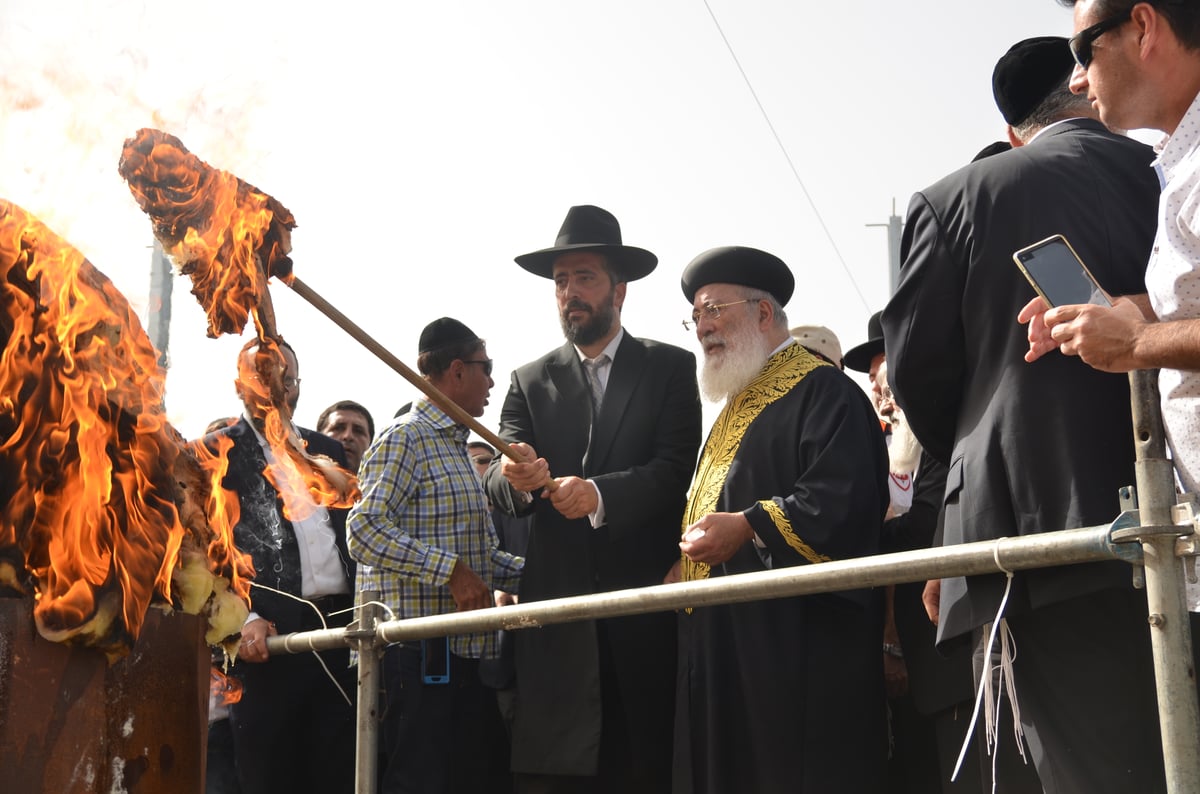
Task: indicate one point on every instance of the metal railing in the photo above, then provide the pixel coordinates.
(1152, 538)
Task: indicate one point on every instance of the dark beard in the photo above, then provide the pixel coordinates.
(592, 330)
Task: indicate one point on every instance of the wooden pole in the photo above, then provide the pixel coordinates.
(434, 393)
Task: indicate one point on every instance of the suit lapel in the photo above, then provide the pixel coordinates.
(622, 380)
(566, 373)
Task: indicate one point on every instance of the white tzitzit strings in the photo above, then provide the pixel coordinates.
(321, 617)
(985, 696)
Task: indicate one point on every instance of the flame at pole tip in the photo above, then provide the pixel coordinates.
(227, 236)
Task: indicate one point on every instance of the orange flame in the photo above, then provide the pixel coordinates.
(96, 483)
(229, 237)
(219, 230)
(224, 688)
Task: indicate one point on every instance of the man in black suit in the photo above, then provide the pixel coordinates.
(293, 728)
(617, 421)
(1035, 447)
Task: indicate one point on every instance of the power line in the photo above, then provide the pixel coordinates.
(787, 157)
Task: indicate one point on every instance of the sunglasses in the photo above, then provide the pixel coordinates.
(1081, 42)
(485, 363)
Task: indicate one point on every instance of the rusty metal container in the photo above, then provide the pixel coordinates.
(70, 723)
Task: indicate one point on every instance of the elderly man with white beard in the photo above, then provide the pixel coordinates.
(784, 694)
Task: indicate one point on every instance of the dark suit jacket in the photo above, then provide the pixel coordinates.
(263, 532)
(640, 454)
(1030, 447)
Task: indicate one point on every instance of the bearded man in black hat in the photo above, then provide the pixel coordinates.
(616, 420)
(426, 542)
(784, 694)
(1035, 447)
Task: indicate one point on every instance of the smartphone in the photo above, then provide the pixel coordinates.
(435, 660)
(1058, 274)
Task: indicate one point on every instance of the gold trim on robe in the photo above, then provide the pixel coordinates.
(779, 376)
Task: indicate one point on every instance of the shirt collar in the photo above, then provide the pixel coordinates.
(782, 345)
(427, 412)
(1051, 126)
(258, 433)
(1172, 149)
(610, 348)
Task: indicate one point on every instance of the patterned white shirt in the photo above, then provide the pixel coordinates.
(1173, 283)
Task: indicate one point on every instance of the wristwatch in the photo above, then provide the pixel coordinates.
(892, 649)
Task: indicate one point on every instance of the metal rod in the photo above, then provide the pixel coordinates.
(1170, 630)
(1086, 544)
(370, 678)
(434, 393)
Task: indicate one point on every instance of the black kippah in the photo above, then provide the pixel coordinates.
(1027, 73)
(442, 332)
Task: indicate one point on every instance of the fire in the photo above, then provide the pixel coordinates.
(229, 238)
(101, 503)
(223, 688)
(220, 231)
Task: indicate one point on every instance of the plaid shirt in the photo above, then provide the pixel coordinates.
(422, 509)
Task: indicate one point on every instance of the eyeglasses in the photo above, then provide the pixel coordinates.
(1081, 42)
(485, 363)
(711, 310)
(482, 460)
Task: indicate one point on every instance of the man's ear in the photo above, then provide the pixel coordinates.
(766, 314)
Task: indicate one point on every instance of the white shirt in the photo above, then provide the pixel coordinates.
(321, 571)
(1173, 285)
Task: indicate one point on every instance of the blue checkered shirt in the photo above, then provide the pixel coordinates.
(422, 509)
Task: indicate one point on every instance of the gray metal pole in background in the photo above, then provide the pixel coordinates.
(158, 320)
(1170, 632)
(894, 226)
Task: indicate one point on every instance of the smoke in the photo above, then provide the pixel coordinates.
(76, 80)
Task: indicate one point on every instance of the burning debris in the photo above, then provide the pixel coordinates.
(104, 508)
(225, 235)
(230, 238)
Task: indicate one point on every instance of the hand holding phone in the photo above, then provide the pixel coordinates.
(1058, 274)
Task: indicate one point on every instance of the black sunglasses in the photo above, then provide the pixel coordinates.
(1081, 42)
(486, 363)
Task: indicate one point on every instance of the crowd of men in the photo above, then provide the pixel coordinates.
(993, 414)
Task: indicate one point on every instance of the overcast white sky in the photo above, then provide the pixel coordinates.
(423, 145)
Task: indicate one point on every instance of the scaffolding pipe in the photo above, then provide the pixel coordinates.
(1085, 544)
(1170, 631)
(370, 679)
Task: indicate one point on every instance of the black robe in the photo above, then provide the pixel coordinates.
(787, 694)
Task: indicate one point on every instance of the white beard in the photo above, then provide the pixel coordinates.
(729, 370)
(904, 452)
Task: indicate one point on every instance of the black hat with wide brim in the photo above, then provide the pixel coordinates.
(589, 228)
(858, 358)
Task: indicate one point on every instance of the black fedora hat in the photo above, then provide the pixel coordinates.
(859, 358)
(588, 228)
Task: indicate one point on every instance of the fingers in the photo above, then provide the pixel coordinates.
(253, 646)
(573, 497)
(1034, 309)
(526, 476)
(931, 597)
